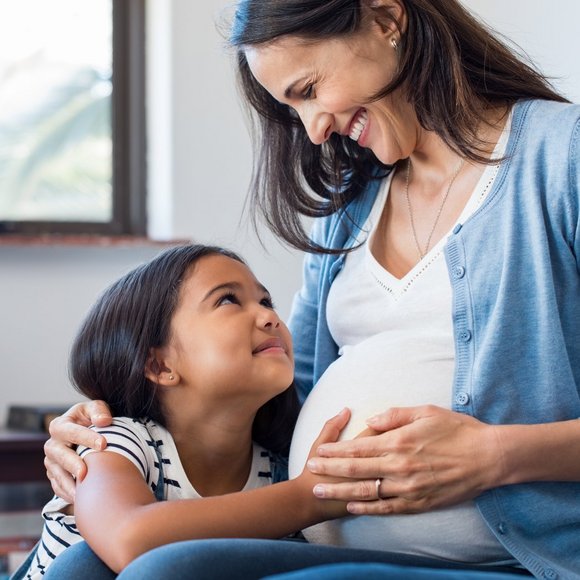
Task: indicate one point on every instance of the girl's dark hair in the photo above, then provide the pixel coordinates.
(451, 67)
(133, 315)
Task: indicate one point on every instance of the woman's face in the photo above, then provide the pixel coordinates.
(328, 83)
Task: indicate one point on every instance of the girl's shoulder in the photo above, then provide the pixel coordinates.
(137, 440)
(140, 431)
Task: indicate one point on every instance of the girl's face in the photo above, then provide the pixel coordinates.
(226, 338)
(328, 83)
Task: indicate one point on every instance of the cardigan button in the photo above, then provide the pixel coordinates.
(502, 528)
(551, 574)
(457, 228)
(465, 335)
(462, 399)
(458, 272)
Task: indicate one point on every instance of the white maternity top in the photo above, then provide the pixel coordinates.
(396, 349)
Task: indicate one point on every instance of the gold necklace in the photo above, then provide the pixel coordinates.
(423, 252)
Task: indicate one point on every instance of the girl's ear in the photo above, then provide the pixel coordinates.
(390, 16)
(157, 369)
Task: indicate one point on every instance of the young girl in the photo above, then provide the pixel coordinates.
(197, 367)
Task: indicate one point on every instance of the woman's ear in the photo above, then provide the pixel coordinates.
(390, 16)
(158, 369)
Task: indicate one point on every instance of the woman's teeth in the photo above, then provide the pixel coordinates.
(358, 126)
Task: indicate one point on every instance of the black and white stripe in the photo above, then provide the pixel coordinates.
(136, 440)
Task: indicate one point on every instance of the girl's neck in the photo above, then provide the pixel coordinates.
(215, 450)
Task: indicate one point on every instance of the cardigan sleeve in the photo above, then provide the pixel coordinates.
(574, 172)
(303, 321)
(314, 345)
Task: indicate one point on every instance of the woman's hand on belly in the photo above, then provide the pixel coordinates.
(426, 457)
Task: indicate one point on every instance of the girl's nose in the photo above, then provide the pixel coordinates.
(267, 318)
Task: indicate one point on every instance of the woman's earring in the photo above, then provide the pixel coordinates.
(394, 43)
(171, 377)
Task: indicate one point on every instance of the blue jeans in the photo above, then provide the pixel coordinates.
(254, 559)
(383, 571)
(77, 562)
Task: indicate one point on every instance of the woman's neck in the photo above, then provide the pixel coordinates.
(433, 160)
(426, 197)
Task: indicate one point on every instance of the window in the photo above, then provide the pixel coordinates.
(72, 117)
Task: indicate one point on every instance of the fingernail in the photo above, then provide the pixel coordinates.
(373, 420)
(312, 465)
(319, 490)
(99, 444)
(353, 508)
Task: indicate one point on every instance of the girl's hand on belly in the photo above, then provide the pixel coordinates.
(330, 433)
(425, 458)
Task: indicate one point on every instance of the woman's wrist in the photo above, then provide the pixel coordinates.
(538, 452)
(497, 471)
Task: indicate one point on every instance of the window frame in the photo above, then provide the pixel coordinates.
(128, 130)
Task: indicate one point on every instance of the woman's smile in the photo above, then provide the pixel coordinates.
(358, 125)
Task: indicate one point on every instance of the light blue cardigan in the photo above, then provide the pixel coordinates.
(514, 267)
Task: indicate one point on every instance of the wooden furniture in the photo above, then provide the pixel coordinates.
(22, 456)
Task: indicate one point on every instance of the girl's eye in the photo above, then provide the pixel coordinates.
(267, 302)
(228, 298)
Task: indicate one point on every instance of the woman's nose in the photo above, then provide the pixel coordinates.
(318, 125)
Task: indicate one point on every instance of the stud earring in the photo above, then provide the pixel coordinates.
(394, 43)
(171, 377)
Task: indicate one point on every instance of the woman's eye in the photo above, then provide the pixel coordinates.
(308, 92)
(228, 299)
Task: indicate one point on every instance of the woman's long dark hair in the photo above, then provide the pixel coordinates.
(451, 69)
(133, 315)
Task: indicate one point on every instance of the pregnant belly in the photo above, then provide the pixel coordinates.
(370, 378)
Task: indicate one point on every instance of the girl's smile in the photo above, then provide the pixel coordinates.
(272, 346)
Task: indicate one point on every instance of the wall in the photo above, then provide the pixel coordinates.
(546, 31)
(45, 291)
(200, 164)
(199, 158)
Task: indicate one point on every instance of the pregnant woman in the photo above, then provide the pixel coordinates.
(441, 289)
